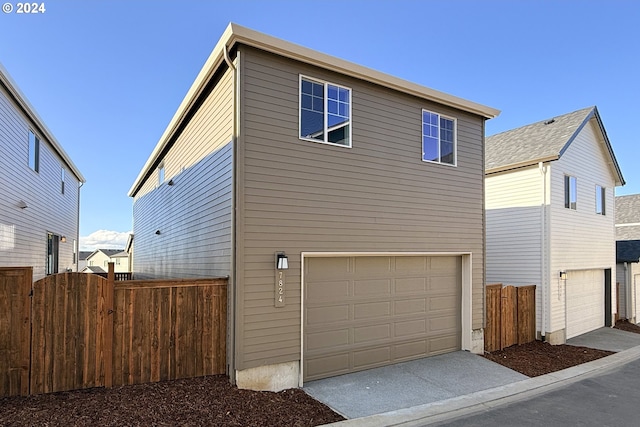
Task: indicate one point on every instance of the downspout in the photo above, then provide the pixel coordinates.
(232, 292)
(543, 252)
(77, 248)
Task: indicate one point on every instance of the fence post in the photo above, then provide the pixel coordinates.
(107, 324)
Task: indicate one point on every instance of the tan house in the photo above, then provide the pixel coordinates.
(551, 219)
(98, 261)
(628, 256)
(40, 195)
(344, 204)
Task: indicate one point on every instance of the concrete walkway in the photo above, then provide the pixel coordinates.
(438, 388)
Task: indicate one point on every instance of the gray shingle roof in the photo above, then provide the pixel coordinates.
(631, 232)
(539, 141)
(95, 269)
(628, 251)
(628, 209)
(84, 254)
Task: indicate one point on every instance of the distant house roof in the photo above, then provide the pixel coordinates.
(628, 251)
(543, 141)
(628, 209)
(93, 269)
(82, 255)
(122, 254)
(236, 34)
(627, 232)
(27, 109)
(108, 252)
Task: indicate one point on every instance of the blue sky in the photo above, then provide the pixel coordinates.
(107, 76)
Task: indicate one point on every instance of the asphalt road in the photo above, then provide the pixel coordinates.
(611, 399)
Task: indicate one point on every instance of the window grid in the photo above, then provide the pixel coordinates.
(600, 200)
(325, 112)
(438, 138)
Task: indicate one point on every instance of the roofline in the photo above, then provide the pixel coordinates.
(23, 103)
(236, 34)
(521, 165)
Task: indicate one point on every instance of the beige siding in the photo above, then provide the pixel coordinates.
(378, 196)
(514, 203)
(580, 239)
(193, 215)
(621, 290)
(23, 232)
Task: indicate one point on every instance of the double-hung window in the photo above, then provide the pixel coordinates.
(34, 152)
(600, 200)
(438, 138)
(570, 192)
(325, 112)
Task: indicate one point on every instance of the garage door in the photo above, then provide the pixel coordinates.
(364, 312)
(585, 301)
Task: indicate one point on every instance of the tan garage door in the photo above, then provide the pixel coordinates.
(364, 312)
(585, 301)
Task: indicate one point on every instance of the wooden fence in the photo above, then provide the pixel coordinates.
(118, 276)
(511, 316)
(87, 331)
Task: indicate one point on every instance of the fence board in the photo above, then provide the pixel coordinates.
(492, 334)
(526, 314)
(508, 317)
(15, 322)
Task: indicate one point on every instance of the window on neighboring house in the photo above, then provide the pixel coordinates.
(117, 261)
(161, 173)
(438, 138)
(600, 200)
(91, 263)
(106, 263)
(570, 192)
(62, 180)
(53, 250)
(34, 152)
(325, 112)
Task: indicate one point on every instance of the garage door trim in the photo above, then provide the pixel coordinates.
(466, 303)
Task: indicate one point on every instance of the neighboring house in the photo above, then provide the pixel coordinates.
(39, 200)
(628, 256)
(98, 261)
(82, 259)
(371, 185)
(550, 219)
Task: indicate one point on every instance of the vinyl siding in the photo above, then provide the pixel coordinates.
(514, 203)
(194, 214)
(580, 239)
(378, 196)
(23, 232)
(621, 288)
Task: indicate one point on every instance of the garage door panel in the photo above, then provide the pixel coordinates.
(372, 310)
(327, 268)
(584, 301)
(412, 306)
(327, 314)
(329, 290)
(411, 285)
(363, 288)
(398, 309)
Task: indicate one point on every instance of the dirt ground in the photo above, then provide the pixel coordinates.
(212, 401)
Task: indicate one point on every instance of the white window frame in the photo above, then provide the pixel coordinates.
(33, 151)
(325, 85)
(455, 138)
(161, 173)
(601, 195)
(62, 173)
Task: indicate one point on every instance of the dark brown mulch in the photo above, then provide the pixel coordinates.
(625, 325)
(205, 401)
(539, 358)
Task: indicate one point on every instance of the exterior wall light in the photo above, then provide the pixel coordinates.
(158, 232)
(563, 275)
(282, 261)
(63, 239)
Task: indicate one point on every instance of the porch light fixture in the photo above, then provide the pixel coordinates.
(170, 182)
(282, 262)
(63, 239)
(563, 275)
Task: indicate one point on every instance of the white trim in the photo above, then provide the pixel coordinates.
(467, 291)
(455, 138)
(325, 85)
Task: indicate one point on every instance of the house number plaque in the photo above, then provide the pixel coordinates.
(279, 302)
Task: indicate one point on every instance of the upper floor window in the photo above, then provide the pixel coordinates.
(62, 180)
(570, 192)
(325, 112)
(161, 173)
(600, 200)
(438, 138)
(34, 152)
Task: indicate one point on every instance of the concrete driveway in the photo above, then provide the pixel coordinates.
(409, 384)
(424, 388)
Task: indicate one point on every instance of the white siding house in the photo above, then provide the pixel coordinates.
(550, 219)
(39, 200)
(628, 256)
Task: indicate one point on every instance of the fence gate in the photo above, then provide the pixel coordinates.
(15, 330)
(72, 332)
(511, 316)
